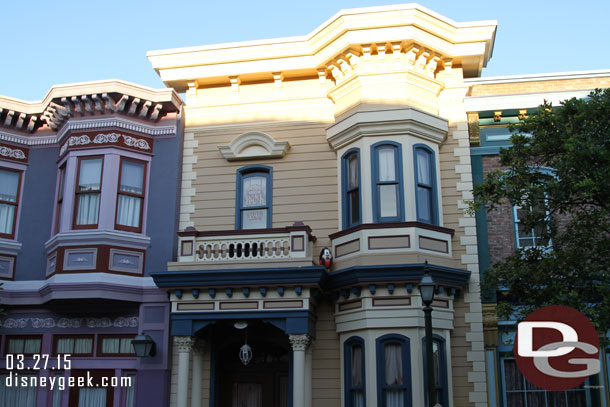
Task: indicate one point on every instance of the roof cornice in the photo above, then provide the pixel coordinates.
(467, 44)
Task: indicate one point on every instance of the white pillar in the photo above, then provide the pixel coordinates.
(197, 374)
(299, 344)
(308, 373)
(183, 343)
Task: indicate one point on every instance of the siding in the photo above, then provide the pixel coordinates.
(304, 180)
(326, 362)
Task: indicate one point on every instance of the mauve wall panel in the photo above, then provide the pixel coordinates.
(36, 213)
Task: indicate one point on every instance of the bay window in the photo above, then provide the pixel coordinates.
(10, 181)
(254, 197)
(386, 161)
(425, 185)
(393, 371)
(350, 175)
(130, 199)
(88, 192)
(355, 395)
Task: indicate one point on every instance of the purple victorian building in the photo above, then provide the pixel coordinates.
(89, 195)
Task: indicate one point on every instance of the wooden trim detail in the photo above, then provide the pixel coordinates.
(337, 255)
(391, 225)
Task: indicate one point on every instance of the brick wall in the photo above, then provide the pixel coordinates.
(500, 225)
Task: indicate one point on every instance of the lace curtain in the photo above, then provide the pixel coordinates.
(9, 185)
(128, 212)
(393, 375)
(132, 182)
(17, 396)
(247, 395)
(357, 396)
(90, 176)
(74, 345)
(387, 168)
(92, 397)
(424, 187)
(130, 394)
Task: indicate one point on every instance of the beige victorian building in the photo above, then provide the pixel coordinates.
(352, 138)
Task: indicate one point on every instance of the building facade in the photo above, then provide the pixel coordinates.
(88, 207)
(493, 104)
(353, 141)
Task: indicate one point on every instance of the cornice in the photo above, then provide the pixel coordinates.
(64, 102)
(401, 121)
(88, 125)
(469, 44)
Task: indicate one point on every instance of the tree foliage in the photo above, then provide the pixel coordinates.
(560, 161)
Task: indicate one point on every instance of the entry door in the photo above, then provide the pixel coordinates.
(247, 395)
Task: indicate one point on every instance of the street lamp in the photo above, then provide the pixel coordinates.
(426, 288)
(143, 345)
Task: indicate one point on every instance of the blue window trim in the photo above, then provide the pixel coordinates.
(400, 205)
(249, 171)
(344, 188)
(434, 199)
(404, 342)
(347, 369)
(442, 368)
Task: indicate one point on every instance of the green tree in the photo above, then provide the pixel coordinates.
(559, 161)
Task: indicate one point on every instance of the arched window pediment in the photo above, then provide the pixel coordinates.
(253, 145)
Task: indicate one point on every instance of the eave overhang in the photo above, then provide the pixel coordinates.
(403, 273)
(469, 45)
(306, 276)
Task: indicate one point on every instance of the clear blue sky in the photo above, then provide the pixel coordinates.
(54, 42)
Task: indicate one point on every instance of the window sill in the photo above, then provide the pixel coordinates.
(98, 237)
(10, 246)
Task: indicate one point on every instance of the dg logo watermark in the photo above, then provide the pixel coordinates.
(557, 348)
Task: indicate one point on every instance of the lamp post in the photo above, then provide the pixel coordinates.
(426, 289)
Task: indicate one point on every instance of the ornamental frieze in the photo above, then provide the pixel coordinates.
(46, 323)
(106, 139)
(13, 154)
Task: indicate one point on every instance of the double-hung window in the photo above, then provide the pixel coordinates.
(530, 236)
(350, 175)
(254, 197)
(355, 395)
(386, 159)
(130, 199)
(519, 392)
(425, 184)
(88, 192)
(439, 363)
(393, 371)
(10, 180)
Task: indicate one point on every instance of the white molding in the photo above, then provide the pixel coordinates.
(98, 237)
(551, 76)
(252, 145)
(524, 100)
(402, 121)
(10, 247)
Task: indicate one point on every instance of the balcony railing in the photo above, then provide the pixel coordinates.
(292, 242)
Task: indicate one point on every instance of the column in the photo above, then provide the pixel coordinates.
(299, 344)
(196, 385)
(183, 343)
(308, 373)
